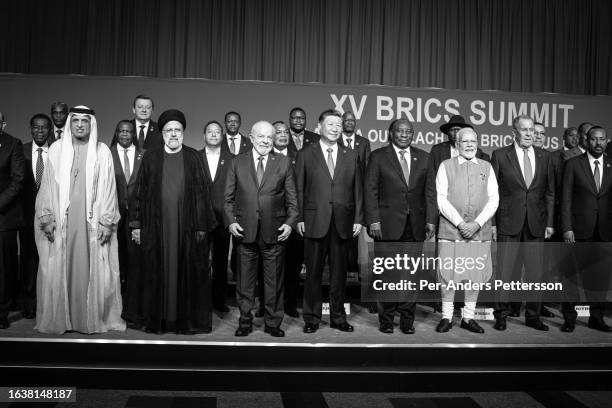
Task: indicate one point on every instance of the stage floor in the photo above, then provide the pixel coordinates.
(366, 333)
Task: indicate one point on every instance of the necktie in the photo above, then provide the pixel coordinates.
(126, 165)
(141, 137)
(233, 145)
(260, 170)
(350, 142)
(59, 134)
(597, 175)
(404, 164)
(39, 168)
(298, 141)
(527, 168)
(330, 161)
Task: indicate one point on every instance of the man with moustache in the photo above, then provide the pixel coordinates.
(585, 217)
(300, 136)
(35, 153)
(12, 174)
(525, 216)
(170, 222)
(330, 194)
(294, 248)
(126, 161)
(148, 134)
(446, 150)
(216, 163)
(235, 143)
(467, 199)
(78, 287)
(260, 211)
(59, 114)
(400, 199)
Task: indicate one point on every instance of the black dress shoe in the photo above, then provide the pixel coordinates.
(500, 324)
(4, 323)
(260, 313)
(372, 309)
(274, 331)
(311, 327)
(514, 314)
(344, 326)
(189, 332)
(546, 313)
(536, 324)
(152, 331)
(292, 312)
(568, 326)
(407, 329)
(444, 326)
(221, 308)
(29, 314)
(600, 325)
(386, 328)
(243, 331)
(472, 326)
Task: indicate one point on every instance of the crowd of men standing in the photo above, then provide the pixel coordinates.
(124, 233)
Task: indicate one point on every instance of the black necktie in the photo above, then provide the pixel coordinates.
(260, 170)
(141, 137)
(59, 134)
(40, 167)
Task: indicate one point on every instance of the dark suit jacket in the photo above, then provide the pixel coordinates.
(309, 138)
(28, 193)
(270, 205)
(12, 175)
(217, 186)
(126, 190)
(389, 200)
(153, 137)
(245, 144)
(516, 201)
(362, 147)
(571, 153)
(583, 209)
(441, 151)
(319, 195)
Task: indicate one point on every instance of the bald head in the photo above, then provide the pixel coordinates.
(262, 135)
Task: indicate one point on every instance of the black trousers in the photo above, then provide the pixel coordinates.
(8, 270)
(28, 268)
(294, 258)
(315, 251)
(514, 252)
(406, 309)
(220, 241)
(273, 262)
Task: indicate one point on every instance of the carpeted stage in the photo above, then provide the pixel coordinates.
(518, 359)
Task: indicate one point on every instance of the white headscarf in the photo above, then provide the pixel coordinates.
(63, 162)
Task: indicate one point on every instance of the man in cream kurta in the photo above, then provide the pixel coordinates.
(467, 200)
(78, 286)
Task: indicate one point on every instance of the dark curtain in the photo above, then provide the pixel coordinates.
(511, 45)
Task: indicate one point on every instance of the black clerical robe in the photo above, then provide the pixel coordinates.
(191, 283)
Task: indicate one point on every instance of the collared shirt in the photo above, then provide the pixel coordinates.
(334, 152)
(450, 212)
(346, 139)
(298, 138)
(398, 155)
(520, 155)
(212, 157)
(237, 142)
(592, 164)
(55, 129)
(145, 129)
(283, 152)
(256, 157)
(581, 150)
(130, 152)
(45, 154)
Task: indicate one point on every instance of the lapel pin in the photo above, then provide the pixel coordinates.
(414, 158)
(222, 161)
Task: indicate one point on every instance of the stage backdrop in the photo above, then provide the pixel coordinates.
(490, 112)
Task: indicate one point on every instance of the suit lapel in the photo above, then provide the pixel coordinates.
(323, 161)
(271, 165)
(136, 167)
(605, 178)
(251, 167)
(116, 161)
(586, 169)
(206, 166)
(394, 160)
(511, 154)
(446, 152)
(340, 160)
(539, 166)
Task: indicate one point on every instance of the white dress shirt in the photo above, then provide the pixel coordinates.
(450, 212)
(212, 157)
(520, 155)
(130, 152)
(334, 153)
(283, 152)
(237, 142)
(398, 155)
(256, 160)
(346, 138)
(581, 150)
(592, 164)
(45, 153)
(145, 129)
